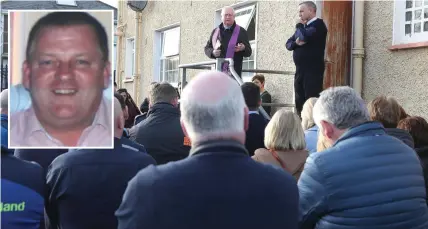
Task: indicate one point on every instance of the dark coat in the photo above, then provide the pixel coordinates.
(267, 98)
(224, 40)
(85, 187)
(161, 134)
(403, 135)
(423, 156)
(310, 54)
(255, 135)
(367, 179)
(43, 157)
(22, 183)
(218, 186)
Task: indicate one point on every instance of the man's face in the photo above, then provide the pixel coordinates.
(124, 95)
(304, 12)
(66, 75)
(228, 17)
(258, 83)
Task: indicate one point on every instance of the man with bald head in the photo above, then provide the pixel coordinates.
(85, 186)
(229, 40)
(218, 185)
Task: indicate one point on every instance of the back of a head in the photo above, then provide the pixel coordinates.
(385, 110)
(251, 94)
(284, 132)
(162, 93)
(212, 104)
(307, 113)
(418, 128)
(340, 106)
(4, 100)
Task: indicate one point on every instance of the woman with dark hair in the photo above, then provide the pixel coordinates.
(133, 109)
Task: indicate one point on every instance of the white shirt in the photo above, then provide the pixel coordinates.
(310, 21)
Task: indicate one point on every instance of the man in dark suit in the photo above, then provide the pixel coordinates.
(308, 46)
(255, 135)
(218, 185)
(259, 80)
(229, 40)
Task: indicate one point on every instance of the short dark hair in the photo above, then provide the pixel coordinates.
(310, 4)
(251, 94)
(258, 77)
(68, 19)
(418, 128)
(385, 110)
(121, 100)
(162, 93)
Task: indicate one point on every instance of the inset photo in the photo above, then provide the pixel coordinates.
(60, 79)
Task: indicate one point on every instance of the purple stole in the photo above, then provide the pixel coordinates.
(231, 46)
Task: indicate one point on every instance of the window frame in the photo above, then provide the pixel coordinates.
(399, 21)
(175, 56)
(129, 59)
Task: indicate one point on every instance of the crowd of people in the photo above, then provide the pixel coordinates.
(212, 155)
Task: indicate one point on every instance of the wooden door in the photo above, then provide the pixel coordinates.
(338, 18)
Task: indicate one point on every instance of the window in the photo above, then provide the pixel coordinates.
(5, 34)
(245, 16)
(410, 21)
(170, 55)
(66, 2)
(130, 58)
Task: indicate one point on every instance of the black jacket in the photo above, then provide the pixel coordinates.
(43, 157)
(224, 40)
(311, 53)
(161, 134)
(218, 186)
(22, 185)
(255, 135)
(86, 186)
(266, 98)
(403, 135)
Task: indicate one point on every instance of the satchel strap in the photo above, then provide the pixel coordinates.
(275, 155)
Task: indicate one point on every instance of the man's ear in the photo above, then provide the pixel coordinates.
(246, 119)
(26, 74)
(183, 128)
(107, 74)
(327, 129)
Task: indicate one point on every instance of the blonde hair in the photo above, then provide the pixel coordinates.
(322, 143)
(284, 132)
(307, 113)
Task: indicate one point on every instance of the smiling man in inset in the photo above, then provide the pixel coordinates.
(66, 70)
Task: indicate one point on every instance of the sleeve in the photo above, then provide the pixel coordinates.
(137, 207)
(132, 133)
(244, 39)
(307, 34)
(266, 98)
(209, 47)
(291, 43)
(312, 194)
(55, 188)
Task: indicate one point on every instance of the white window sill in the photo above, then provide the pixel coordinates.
(128, 80)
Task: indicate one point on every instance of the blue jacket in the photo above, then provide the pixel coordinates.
(4, 132)
(85, 186)
(218, 186)
(22, 193)
(368, 180)
(311, 138)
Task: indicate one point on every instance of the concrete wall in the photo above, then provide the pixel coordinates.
(403, 73)
(196, 20)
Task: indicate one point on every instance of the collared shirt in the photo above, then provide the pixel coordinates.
(26, 130)
(310, 21)
(253, 112)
